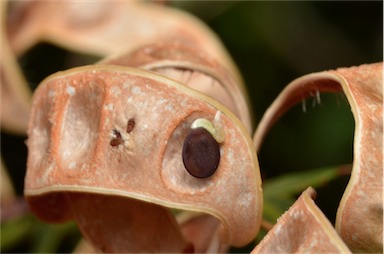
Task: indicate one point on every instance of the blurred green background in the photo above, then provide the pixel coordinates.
(272, 43)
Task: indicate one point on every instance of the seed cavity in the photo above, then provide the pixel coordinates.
(201, 153)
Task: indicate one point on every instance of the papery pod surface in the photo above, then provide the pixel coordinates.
(88, 163)
(359, 218)
(302, 229)
(89, 28)
(106, 27)
(15, 94)
(193, 67)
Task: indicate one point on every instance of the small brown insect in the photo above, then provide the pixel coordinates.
(130, 125)
(117, 140)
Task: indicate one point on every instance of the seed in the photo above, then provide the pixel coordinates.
(116, 140)
(130, 125)
(201, 153)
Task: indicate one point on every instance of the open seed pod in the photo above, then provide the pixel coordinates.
(360, 214)
(113, 148)
(302, 229)
(192, 67)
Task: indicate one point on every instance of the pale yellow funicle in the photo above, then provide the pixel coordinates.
(217, 133)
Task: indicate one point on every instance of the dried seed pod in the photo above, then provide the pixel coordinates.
(104, 27)
(15, 93)
(193, 67)
(302, 229)
(90, 27)
(74, 173)
(359, 218)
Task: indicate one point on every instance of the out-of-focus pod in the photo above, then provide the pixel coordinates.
(360, 214)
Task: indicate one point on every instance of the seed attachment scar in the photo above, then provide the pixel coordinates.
(215, 129)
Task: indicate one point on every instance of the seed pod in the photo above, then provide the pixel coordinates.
(119, 195)
(359, 217)
(193, 67)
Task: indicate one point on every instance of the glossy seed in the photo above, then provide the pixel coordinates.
(201, 153)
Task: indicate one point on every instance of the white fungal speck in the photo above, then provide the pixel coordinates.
(126, 85)
(173, 179)
(72, 165)
(161, 101)
(296, 215)
(115, 91)
(230, 155)
(108, 107)
(245, 199)
(70, 90)
(169, 107)
(136, 90)
(278, 229)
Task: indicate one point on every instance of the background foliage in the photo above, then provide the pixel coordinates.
(272, 44)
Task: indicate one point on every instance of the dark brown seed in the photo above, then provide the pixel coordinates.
(201, 153)
(130, 125)
(117, 140)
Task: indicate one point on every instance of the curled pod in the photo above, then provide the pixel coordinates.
(117, 178)
(359, 217)
(193, 67)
